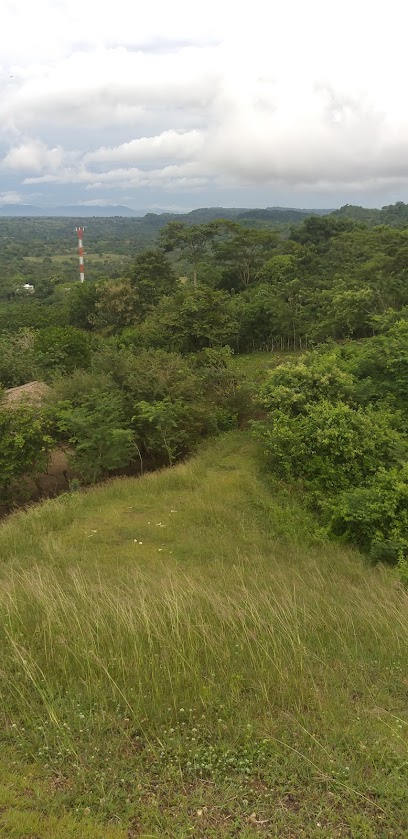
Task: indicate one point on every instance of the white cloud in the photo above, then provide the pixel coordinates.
(97, 202)
(11, 197)
(108, 86)
(170, 144)
(289, 94)
(33, 156)
(181, 176)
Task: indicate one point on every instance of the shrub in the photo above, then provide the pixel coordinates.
(25, 444)
(18, 363)
(292, 388)
(33, 314)
(81, 305)
(98, 432)
(62, 349)
(190, 320)
(169, 429)
(375, 518)
(331, 447)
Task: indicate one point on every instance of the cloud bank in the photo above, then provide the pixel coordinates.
(297, 96)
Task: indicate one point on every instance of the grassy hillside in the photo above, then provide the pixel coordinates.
(183, 657)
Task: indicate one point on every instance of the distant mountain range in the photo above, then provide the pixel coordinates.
(201, 215)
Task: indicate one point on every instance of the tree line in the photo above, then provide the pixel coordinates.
(140, 366)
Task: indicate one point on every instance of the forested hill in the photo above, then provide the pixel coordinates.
(116, 232)
(393, 215)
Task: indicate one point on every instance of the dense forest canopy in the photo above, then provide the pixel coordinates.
(139, 357)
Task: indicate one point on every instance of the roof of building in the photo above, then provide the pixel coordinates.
(33, 393)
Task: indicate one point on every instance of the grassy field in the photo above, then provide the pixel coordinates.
(183, 656)
(255, 365)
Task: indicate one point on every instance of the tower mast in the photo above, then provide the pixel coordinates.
(80, 233)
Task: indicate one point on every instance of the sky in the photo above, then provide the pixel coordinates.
(160, 105)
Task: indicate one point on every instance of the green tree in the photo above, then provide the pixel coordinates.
(168, 429)
(44, 287)
(18, 362)
(319, 230)
(25, 444)
(98, 432)
(242, 252)
(152, 276)
(62, 349)
(117, 306)
(82, 300)
(294, 387)
(190, 320)
(191, 240)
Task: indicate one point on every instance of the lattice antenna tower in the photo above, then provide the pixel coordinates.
(80, 233)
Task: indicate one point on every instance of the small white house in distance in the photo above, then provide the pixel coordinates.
(28, 287)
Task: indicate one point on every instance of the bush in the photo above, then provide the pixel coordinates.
(32, 315)
(98, 432)
(375, 518)
(292, 388)
(331, 447)
(169, 429)
(190, 320)
(230, 393)
(81, 305)
(149, 374)
(383, 362)
(25, 444)
(116, 307)
(62, 349)
(163, 402)
(18, 363)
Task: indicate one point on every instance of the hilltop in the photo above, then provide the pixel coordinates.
(183, 655)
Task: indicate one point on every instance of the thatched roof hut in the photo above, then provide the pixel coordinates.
(33, 393)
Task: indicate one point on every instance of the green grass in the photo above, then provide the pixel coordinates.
(256, 364)
(182, 656)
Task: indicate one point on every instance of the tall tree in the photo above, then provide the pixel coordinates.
(191, 240)
(242, 251)
(152, 276)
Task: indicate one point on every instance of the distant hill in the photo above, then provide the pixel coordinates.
(89, 212)
(278, 215)
(394, 215)
(20, 210)
(198, 216)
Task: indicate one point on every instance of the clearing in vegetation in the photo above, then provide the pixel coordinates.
(183, 656)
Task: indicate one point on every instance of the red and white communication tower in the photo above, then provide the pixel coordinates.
(80, 232)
